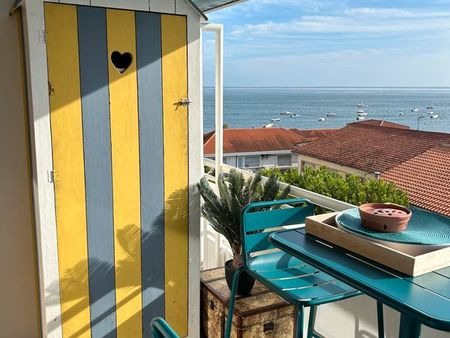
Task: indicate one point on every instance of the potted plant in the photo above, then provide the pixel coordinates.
(223, 212)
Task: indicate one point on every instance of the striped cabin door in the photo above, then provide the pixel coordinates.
(120, 154)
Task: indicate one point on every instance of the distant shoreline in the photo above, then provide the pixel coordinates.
(248, 107)
(329, 87)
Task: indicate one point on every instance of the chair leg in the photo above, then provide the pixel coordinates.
(380, 318)
(232, 301)
(299, 322)
(311, 321)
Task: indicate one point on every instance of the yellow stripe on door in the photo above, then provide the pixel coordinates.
(125, 172)
(174, 75)
(67, 144)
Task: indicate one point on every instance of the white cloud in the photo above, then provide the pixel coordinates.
(252, 8)
(385, 13)
(346, 68)
(355, 20)
(330, 43)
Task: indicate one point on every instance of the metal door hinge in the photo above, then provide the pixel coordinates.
(43, 36)
(184, 102)
(51, 176)
(51, 89)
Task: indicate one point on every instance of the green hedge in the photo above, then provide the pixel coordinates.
(349, 188)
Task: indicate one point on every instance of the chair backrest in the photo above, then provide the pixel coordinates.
(259, 220)
(161, 329)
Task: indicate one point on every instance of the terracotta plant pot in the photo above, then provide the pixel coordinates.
(384, 217)
(245, 283)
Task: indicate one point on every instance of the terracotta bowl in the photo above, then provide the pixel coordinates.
(384, 217)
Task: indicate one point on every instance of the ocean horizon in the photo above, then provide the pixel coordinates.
(346, 87)
(253, 107)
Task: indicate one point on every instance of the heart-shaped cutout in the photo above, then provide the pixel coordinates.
(121, 61)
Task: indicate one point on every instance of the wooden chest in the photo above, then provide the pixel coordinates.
(260, 314)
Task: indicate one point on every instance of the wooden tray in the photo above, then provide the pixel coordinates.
(412, 260)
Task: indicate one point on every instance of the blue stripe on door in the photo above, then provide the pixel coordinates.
(148, 48)
(97, 152)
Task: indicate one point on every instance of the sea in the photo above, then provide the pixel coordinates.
(255, 107)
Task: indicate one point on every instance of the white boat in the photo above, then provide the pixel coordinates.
(431, 112)
(275, 119)
(268, 125)
(358, 118)
(430, 107)
(415, 110)
(435, 116)
(362, 105)
(362, 113)
(287, 113)
(321, 119)
(331, 114)
(400, 114)
(294, 115)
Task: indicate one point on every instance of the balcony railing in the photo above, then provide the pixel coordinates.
(215, 249)
(317, 199)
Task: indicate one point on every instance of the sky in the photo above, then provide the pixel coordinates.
(276, 43)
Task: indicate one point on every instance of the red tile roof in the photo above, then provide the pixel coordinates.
(372, 148)
(382, 123)
(207, 136)
(426, 179)
(245, 140)
(314, 134)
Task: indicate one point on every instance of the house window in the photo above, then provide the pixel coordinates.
(230, 160)
(240, 162)
(284, 160)
(252, 161)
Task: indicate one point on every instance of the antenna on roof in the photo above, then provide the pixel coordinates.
(418, 120)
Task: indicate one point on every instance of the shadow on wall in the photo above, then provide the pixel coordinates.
(361, 312)
(135, 65)
(131, 239)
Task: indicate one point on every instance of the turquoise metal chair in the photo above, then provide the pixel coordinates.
(160, 329)
(292, 279)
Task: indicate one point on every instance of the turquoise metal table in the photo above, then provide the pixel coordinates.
(420, 300)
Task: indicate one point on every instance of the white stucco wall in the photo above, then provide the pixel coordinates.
(356, 318)
(303, 160)
(19, 310)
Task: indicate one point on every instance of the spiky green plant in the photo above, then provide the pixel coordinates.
(223, 211)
